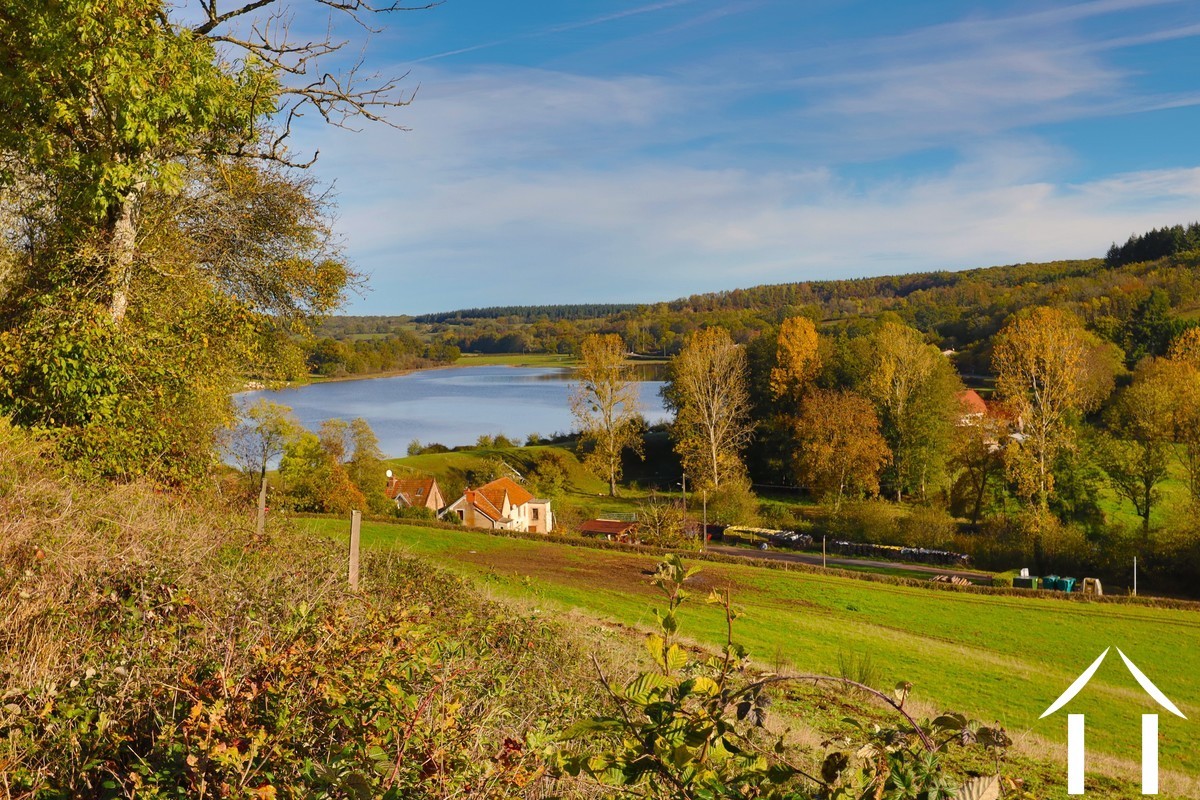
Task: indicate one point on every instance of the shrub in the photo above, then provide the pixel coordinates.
(420, 513)
(501, 440)
(863, 521)
(733, 504)
(928, 527)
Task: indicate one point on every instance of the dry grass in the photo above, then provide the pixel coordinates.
(69, 548)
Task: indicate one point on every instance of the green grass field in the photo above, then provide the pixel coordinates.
(998, 658)
(516, 360)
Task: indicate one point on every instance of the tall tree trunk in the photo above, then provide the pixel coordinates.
(122, 249)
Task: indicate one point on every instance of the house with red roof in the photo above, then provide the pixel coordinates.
(415, 491)
(972, 408)
(502, 504)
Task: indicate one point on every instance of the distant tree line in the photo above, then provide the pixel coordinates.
(398, 351)
(1154, 244)
(529, 313)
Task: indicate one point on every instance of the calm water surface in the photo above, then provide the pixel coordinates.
(452, 406)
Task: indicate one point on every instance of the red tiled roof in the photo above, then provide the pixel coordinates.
(971, 402)
(495, 491)
(606, 527)
(414, 490)
(483, 505)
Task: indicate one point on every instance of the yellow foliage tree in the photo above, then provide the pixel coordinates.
(1047, 368)
(797, 360)
(606, 406)
(708, 390)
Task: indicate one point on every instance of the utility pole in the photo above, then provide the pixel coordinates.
(1135, 576)
(684, 485)
(823, 564)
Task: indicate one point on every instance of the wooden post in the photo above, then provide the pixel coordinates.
(260, 526)
(823, 564)
(355, 530)
(1135, 576)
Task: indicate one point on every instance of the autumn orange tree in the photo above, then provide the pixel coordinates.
(840, 449)
(1048, 369)
(606, 407)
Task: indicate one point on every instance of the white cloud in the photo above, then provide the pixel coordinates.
(528, 186)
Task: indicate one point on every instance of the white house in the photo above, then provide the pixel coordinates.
(502, 504)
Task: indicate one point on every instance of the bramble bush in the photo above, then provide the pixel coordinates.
(155, 647)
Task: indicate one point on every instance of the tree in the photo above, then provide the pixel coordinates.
(1047, 370)
(164, 244)
(661, 521)
(606, 407)
(263, 435)
(797, 360)
(915, 392)
(840, 448)
(1184, 365)
(707, 390)
(978, 456)
(315, 480)
(365, 466)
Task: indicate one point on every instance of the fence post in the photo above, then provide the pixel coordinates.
(355, 531)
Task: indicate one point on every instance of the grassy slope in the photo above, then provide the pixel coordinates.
(516, 360)
(999, 658)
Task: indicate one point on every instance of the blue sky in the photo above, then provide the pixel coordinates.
(632, 151)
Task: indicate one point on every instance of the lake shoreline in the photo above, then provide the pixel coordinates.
(259, 386)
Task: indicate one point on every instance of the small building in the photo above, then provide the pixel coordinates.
(614, 530)
(502, 504)
(972, 408)
(418, 491)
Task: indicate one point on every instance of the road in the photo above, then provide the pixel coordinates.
(815, 559)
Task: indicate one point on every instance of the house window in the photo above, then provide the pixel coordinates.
(461, 515)
(535, 515)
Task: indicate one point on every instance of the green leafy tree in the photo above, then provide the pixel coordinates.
(1137, 451)
(262, 436)
(161, 244)
(915, 390)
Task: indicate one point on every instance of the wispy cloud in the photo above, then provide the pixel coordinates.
(746, 165)
(553, 29)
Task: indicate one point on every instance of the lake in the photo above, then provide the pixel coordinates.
(452, 406)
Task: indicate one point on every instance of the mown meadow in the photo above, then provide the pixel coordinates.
(1000, 658)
